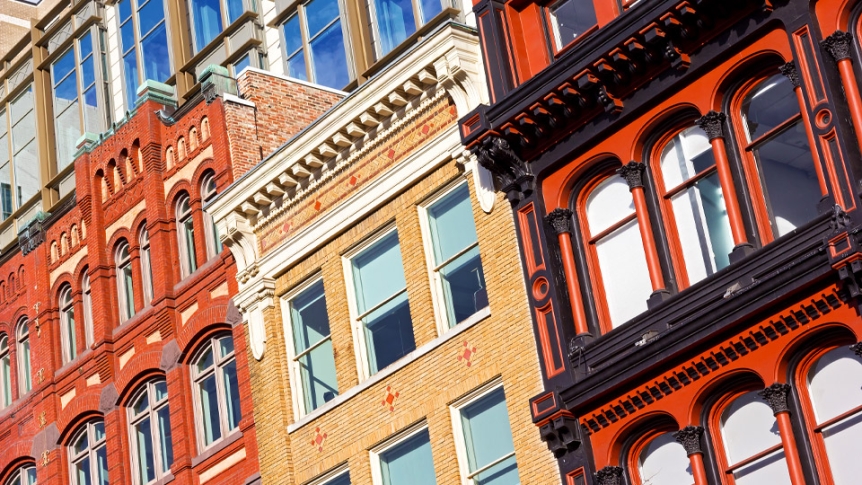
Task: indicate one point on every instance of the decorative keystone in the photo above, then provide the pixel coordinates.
(689, 438)
(713, 124)
(776, 396)
(560, 220)
(156, 91)
(610, 475)
(838, 45)
(633, 173)
(216, 81)
(791, 73)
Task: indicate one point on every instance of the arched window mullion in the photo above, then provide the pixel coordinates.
(68, 327)
(125, 282)
(23, 356)
(186, 236)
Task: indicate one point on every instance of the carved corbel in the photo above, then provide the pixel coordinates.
(791, 73)
(561, 434)
(483, 181)
(236, 233)
(610, 475)
(662, 43)
(252, 302)
(511, 174)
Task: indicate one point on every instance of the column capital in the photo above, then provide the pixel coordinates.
(560, 220)
(776, 396)
(633, 173)
(791, 73)
(610, 475)
(838, 45)
(713, 124)
(689, 438)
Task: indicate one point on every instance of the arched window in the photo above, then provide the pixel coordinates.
(835, 390)
(5, 372)
(26, 475)
(150, 432)
(186, 234)
(88, 309)
(125, 284)
(25, 382)
(208, 193)
(67, 325)
(616, 251)
(753, 454)
(88, 456)
(662, 460)
(694, 204)
(146, 265)
(216, 390)
(778, 156)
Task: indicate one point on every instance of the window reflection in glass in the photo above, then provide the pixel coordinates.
(149, 418)
(216, 390)
(88, 455)
(569, 19)
(321, 59)
(748, 429)
(313, 353)
(488, 441)
(409, 462)
(664, 461)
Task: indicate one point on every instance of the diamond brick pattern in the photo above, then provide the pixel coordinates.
(389, 400)
(467, 354)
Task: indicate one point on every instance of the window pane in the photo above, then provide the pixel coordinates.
(25, 366)
(85, 45)
(296, 66)
(430, 9)
(127, 36)
(207, 20)
(571, 18)
(389, 333)
(242, 63)
(703, 227)
(206, 360)
(488, 438)
(145, 460)
(292, 35)
(71, 344)
(785, 161)
(328, 58)
(231, 392)
(770, 469)
(141, 404)
(62, 66)
(88, 71)
(464, 286)
(610, 202)
(394, 22)
(189, 232)
(225, 345)
(317, 369)
(99, 430)
(165, 440)
(378, 273)
(310, 326)
(624, 272)
(129, 289)
(664, 461)
(685, 156)
(149, 15)
(209, 409)
(130, 69)
(92, 117)
(409, 462)
(25, 148)
(451, 223)
(235, 8)
(6, 377)
(773, 102)
(319, 13)
(154, 50)
(125, 7)
(835, 384)
(748, 427)
(102, 465)
(82, 472)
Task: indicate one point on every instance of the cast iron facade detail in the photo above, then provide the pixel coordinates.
(712, 124)
(560, 220)
(689, 438)
(838, 45)
(776, 396)
(633, 173)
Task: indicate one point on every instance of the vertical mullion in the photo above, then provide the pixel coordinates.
(139, 48)
(79, 82)
(306, 42)
(10, 148)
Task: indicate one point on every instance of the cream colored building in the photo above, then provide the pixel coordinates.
(381, 288)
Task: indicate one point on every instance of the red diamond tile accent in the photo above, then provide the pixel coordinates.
(389, 400)
(318, 440)
(285, 228)
(467, 354)
(353, 180)
(317, 205)
(391, 154)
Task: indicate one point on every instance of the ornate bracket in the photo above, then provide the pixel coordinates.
(560, 220)
(776, 396)
(610, 475)
(689, 438)
(713, 124)
(633, 173)
(512, 175)
(791, 73)
(838, 45)
(562, 434)
(857, 348)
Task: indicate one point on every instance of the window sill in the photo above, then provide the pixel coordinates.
(216, 447)
(393, 368)
(71, 365)
(164, 480)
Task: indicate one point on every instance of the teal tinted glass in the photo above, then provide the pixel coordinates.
(378, 273)
(409, 462)
(452, 225)
(488, 438)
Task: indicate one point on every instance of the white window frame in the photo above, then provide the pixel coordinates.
(188, 255)
(400, 437)
(146, 264)
(362, 365)
(153, 407)
(127, 308)
(87, 300)
(293, 361)
(25, 372)
(91, 452)
(331, 475)
(65, 337)
(5, 353)
(214, 246)
(222, 396)
(438, 296)
(455, 410)
(19, 476)
(306, 39)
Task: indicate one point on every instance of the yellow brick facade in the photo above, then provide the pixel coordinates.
(425, 387)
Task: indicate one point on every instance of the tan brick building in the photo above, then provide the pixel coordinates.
(379, 322)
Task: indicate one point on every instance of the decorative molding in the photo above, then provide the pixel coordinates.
(483, 180)
(632, 172)
(776, 396)
(610, 475)
(857, 348)
(839, 220)
(255, 299)
(560, 220)
(562, 434)
(713, 124)
(512, 175)
(33, 233)
(689, 438)
(838, 45)
(791, 73)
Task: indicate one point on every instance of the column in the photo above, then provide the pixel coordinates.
(610, 475)
(792, 74)
(776, 396)
(561, 221)
(689, 438)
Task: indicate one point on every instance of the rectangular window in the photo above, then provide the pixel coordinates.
(453, 248)
(144, 43)
(315, 43)
(487, 452)
(313, 360)
(570, 19)
(339, 476)
(382, 313)
(392, 21)
(80, 93)
(19, 155)
(210, 17)
(407, 461)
